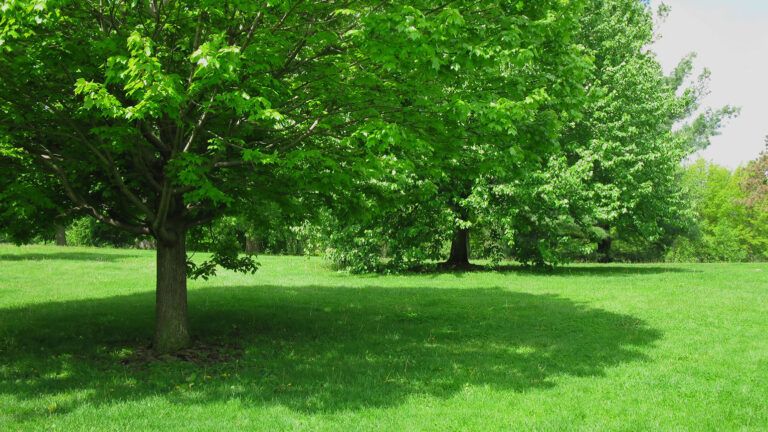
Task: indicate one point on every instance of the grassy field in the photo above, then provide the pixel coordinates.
(301, 347)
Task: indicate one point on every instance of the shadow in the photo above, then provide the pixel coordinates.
(64, 256)
(600, 270)
(314, 349)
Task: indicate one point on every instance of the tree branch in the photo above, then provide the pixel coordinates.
(82, 205)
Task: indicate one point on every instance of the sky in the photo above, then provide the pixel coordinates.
(731, 39)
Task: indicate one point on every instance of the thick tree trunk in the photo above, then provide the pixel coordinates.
(61, 235)
(171, 326)
(604, 250)
(459, 249)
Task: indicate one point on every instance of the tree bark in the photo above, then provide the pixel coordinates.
(171, 324)
(251, 245)
(459, 249)
(604, 250)
(61, 235)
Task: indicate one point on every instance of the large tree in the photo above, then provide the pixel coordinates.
(156, 116)
(495, 124)
(620, 166)
(562, 181)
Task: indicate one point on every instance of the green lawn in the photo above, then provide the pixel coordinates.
(301, 347)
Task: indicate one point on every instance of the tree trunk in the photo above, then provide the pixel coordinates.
(604, 250)
(251, 245)
(171, 325)
(61, 235)
(459, 249)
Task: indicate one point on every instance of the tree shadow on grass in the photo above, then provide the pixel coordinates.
(594, 270)
(314, 349)
(600, 270)
(64, 256)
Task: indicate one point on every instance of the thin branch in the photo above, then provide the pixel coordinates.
(198, 126)
(82, 205)
(287, 13)
(153, 139)
(249, 36)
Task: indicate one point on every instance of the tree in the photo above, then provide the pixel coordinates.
(546, 91)
(493, 126)
(728, 225)
(618, 173)
(755, 182)
(577, 170)
(754, 186)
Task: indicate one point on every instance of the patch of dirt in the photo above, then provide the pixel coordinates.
(200, 353)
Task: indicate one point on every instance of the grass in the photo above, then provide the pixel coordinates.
(300, 347)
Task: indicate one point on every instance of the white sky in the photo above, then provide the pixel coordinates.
(731, 39)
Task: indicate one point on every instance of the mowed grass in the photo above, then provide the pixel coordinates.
(301, 347)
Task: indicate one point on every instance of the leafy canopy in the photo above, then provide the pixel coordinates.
(159, 116)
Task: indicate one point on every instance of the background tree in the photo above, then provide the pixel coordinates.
(754, 185)
(729, 226)
(755, 181)
(493, 126)
(562, 181)
(618, 173)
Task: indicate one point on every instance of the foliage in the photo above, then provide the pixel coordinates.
(618, 173)
(754, 182)
(754, 185)
(28, 207)
(540, 217)
(85, 231)
(492, 125)
(159, 116)
(597, 160)
(80, 233)
(167, 115)
(730, 221)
